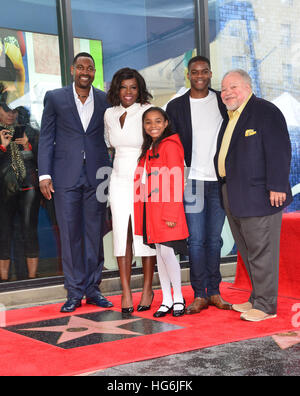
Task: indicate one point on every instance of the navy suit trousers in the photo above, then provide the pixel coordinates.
(80, 219)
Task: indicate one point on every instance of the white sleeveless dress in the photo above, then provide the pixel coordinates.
(127, 142)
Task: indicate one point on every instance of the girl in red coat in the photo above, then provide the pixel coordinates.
(159, 211)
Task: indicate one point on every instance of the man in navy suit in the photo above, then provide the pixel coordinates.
(253, 164)
(71, 150)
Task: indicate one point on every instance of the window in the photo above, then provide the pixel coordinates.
(268, 52)
(29, 66)
(289, 3)
(239, 62)
(151, 36)
(286, 35)
(156, 37)
(287, 75)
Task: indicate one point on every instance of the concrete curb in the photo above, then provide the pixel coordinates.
(52, 294)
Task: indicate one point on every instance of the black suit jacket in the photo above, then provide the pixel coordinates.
(258, 159)
(179, 111)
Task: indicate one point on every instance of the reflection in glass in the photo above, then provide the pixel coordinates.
(266, 49)
(26, 73)
(155, 37)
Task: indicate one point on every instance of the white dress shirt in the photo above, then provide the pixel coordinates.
(85, 111)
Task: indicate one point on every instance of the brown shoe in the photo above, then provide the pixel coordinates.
(218, 302)
(197, 306)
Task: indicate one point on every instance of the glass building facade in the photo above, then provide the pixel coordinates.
(38, 39)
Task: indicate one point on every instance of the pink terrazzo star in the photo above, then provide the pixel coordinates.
(79, 327)
(287, 340)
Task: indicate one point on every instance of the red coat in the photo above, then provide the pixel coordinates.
(163, 193)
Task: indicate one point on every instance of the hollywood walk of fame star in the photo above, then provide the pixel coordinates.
(287, 340)
(79, 327)
(90, 329)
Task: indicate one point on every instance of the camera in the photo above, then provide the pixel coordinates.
(7, 133)
(19, 132)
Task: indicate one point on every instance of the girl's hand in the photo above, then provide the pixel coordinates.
(5, 137)
(170, 224)
(23, 142)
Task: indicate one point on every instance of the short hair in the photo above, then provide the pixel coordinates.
(199, 58)
(246, 77)
(83, 55)
(113, 95)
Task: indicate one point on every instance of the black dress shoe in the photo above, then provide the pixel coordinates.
(99, 301)
(162, 314)
(142, 308)
(129, 310)
(179, 312)
(71, 305)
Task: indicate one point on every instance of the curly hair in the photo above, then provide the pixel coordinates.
(113, 96)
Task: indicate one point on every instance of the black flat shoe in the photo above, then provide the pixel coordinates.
(177, 312)
(142, 308)
(162, 314)
(71, 305)
(129, 310)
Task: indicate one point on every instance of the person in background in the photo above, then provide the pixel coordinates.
(19, 187)
(253, 166)
(197, 117)
(124, 132)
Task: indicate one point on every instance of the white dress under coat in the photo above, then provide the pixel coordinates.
(127, 142)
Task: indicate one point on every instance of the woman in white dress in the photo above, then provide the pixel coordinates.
(124, 132)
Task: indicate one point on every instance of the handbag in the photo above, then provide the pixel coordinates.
(12, 172)
(9, 183)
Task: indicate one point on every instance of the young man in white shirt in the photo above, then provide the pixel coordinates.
(197, 117)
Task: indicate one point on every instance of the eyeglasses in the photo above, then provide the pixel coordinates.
(89, 69)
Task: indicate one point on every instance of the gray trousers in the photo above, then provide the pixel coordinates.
(258, 241)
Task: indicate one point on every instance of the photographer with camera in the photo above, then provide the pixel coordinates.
(19, 192)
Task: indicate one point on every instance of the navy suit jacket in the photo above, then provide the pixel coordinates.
(258, 159)
(179, 111)
(64, 143)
